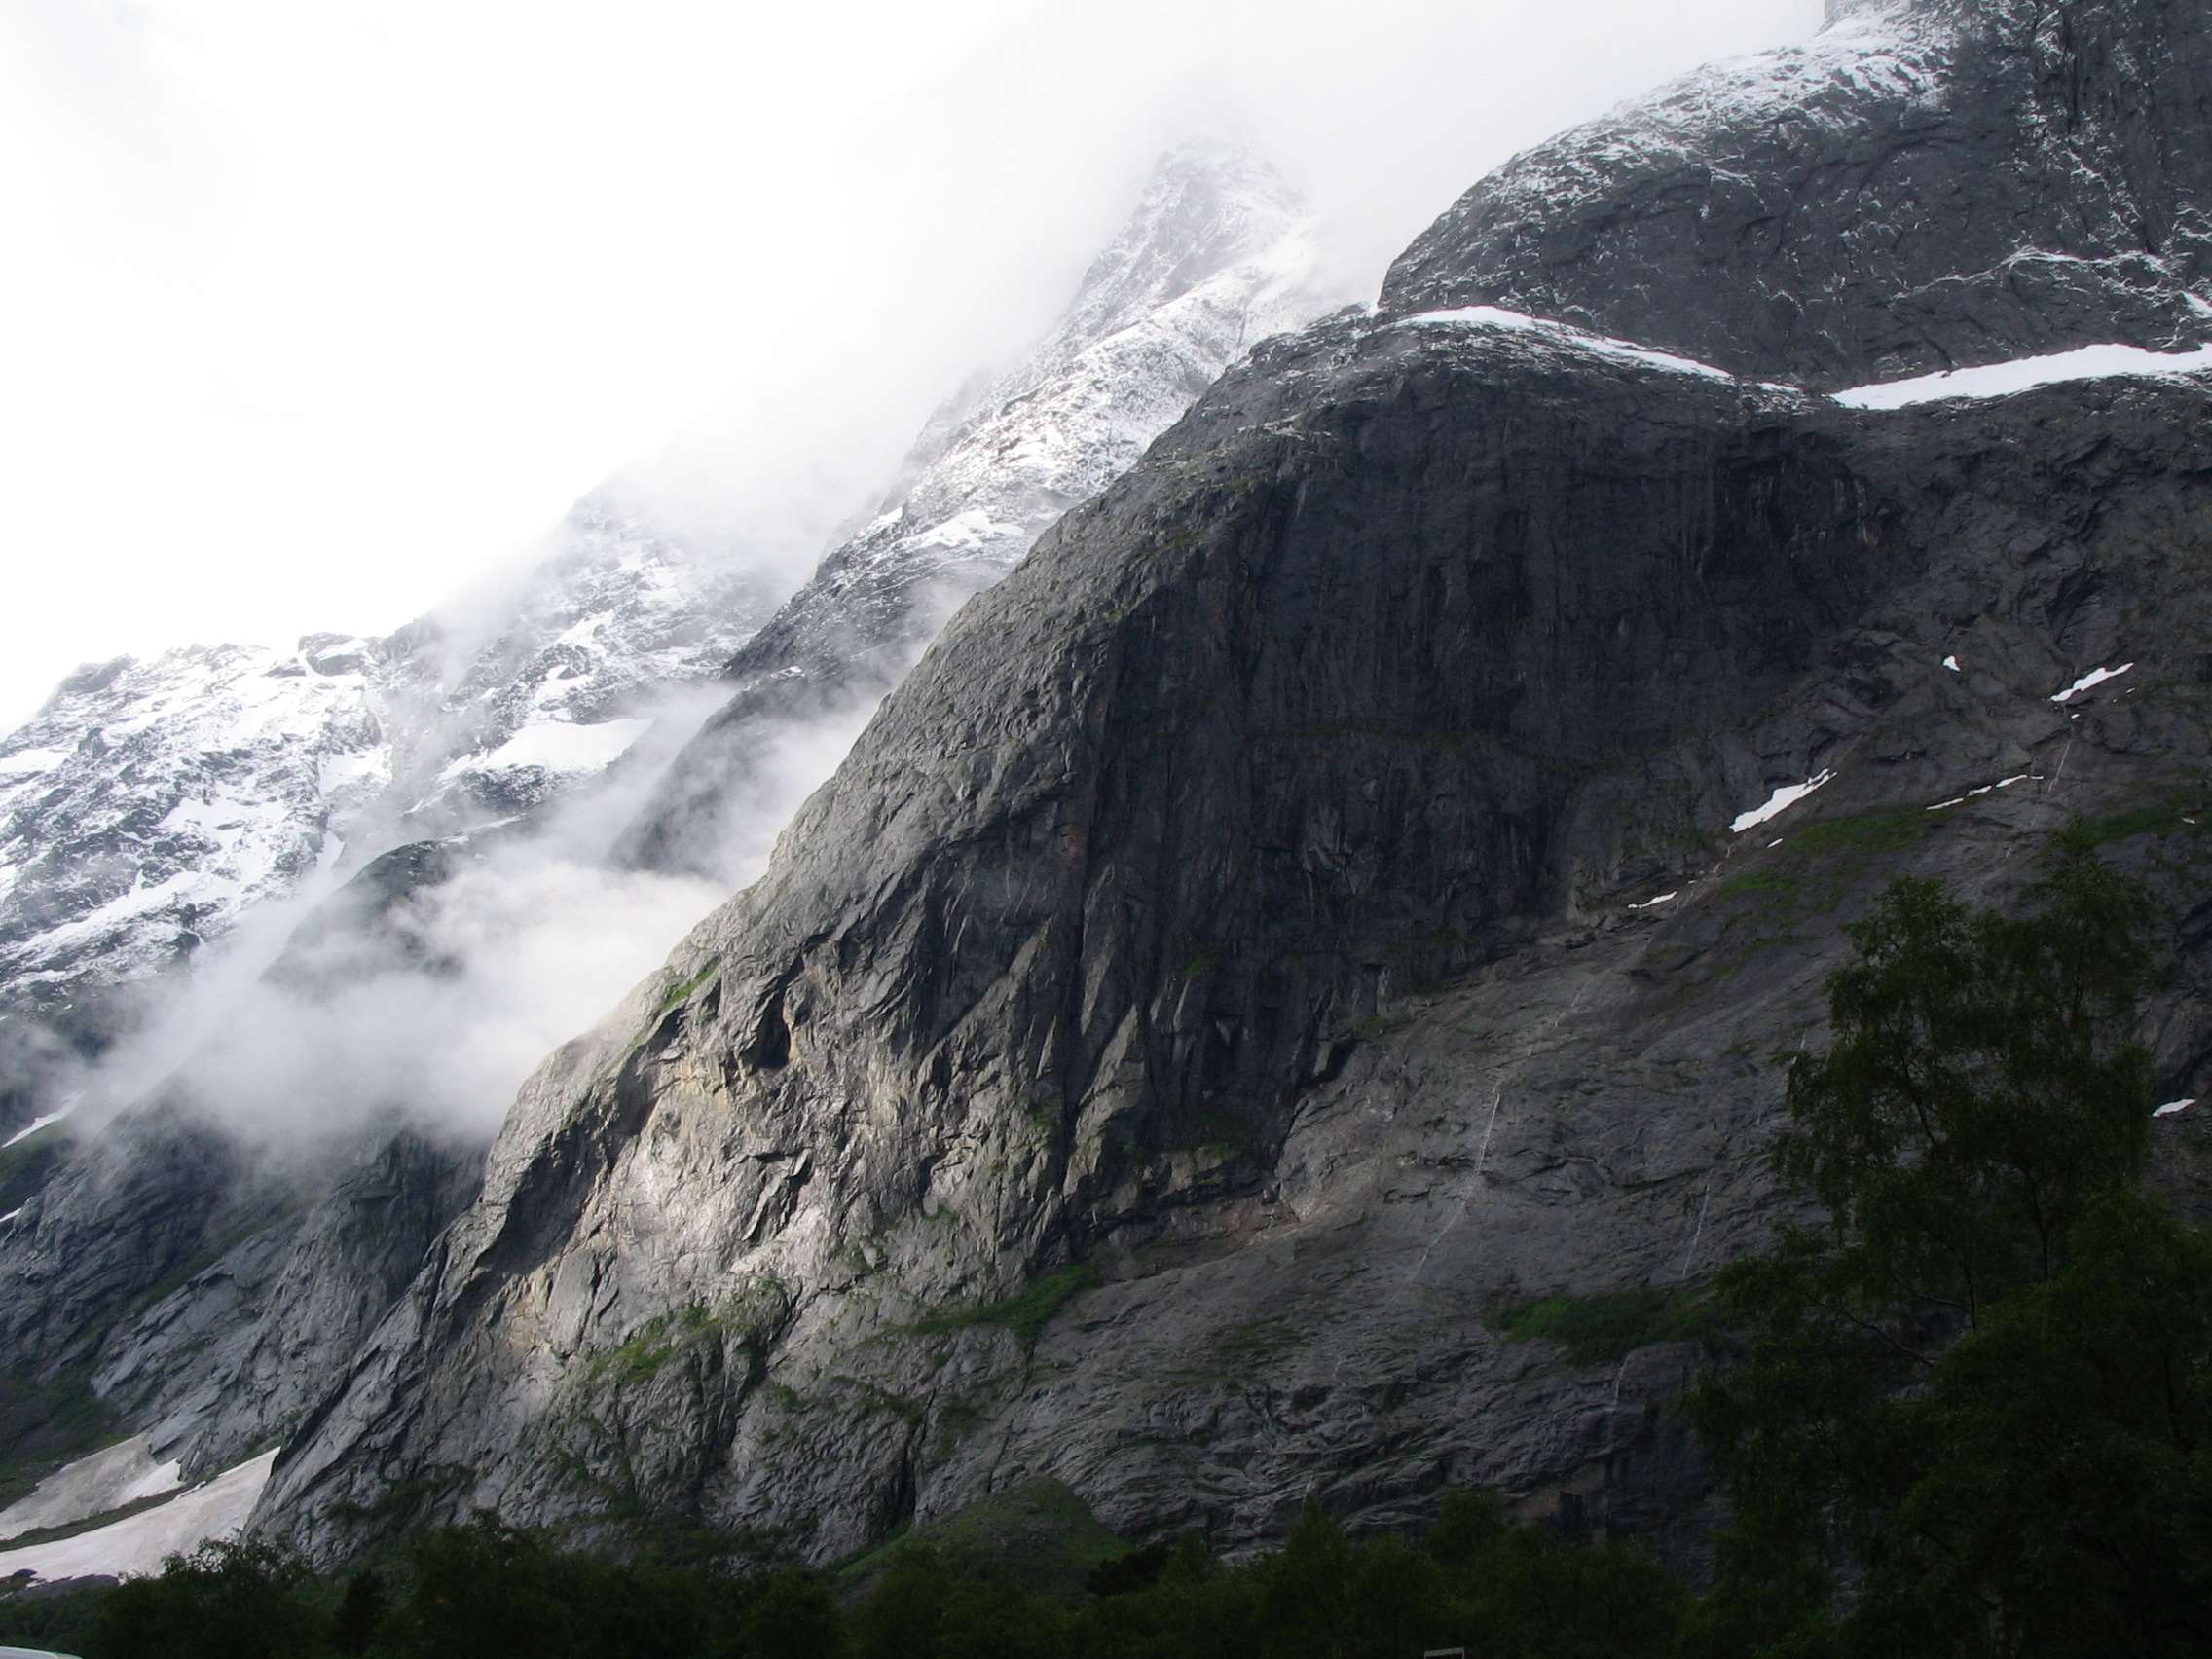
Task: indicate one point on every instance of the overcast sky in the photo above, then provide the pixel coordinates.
(310, 312)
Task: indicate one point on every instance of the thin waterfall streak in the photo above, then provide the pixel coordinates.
(1482, 1155)
(1690, 1255)
(2052, 782)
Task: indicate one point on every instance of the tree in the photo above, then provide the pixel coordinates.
(361, 1611)
(225, 1600)
(1975, 1399)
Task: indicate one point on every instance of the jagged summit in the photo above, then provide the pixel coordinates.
(1218, 254)
(1211, 204)
(149, 804)
(1920, 187)
(148, 801)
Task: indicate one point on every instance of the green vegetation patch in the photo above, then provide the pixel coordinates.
(1025, 1313)
(2158, 818)
(46, 1424)
(27, 1166)
(658, 1342)
(1892, 829)
(1038, 1538)
(1240, 1351)
(1810, 875)
(665, 1336)
(1598, 1329)
(689, 989)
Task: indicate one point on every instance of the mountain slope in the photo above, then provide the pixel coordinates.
(1217, 254)
(149, 807)
(206, 1294)
(1929, 184)
(1344, 885)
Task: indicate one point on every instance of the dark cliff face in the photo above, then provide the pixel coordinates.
(208, 1294)
(1216, 254)
(1923, 187)
(212, 1290)
(1257, 898)
(1305, 893)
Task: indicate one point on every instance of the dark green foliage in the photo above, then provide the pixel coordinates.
(225, 1600)
(1980, 1395)
(53, 1619)
(1603, 1328)
(484, 1588)
(43, 1423)
(1035, 1538)
(1983, 1084)
(360, 1612)
(490, 1591)
(791, 1617)
(1025, 1313)
(1134, 1570)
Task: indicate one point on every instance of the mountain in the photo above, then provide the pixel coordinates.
(149, 807)
(1348, 884)
(1927, 186)
(201, 1285)
(1218, 254)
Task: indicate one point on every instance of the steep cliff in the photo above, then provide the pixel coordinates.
(1929, 184)
(204, 1290)
(1217, 254)
(1354, 877)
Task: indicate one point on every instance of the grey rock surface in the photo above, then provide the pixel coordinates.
(1218, 254)
(218, 1340)
(1339, 886)
(1929, 184)
(1238, 901)
(207, 1292)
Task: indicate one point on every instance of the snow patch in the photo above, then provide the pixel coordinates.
(139, 1543)
(556, 746)
(1782, 800)
(1561, 333)
(2025, 374)
(108, 1479)
(1653, 903)
(2094, 677)
(25, 762)
(2173, 1106)
(2001, 783)
(37, 1123)
(1952, 663)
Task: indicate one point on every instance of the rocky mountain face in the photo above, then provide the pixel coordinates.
(206, 1293)
(1356, 875)
(150, 806)
(1218, 254)
(1929, 184)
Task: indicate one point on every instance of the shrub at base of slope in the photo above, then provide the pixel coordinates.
(485, 1591)
(1981, 1394)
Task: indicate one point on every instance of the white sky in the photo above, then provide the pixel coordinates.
(309, 312)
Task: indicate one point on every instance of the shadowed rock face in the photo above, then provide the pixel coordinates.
(1237, 901)
(1217, 254)
(207, 1295)
(1303, 896)
(210, 1298)
(1925, 186)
